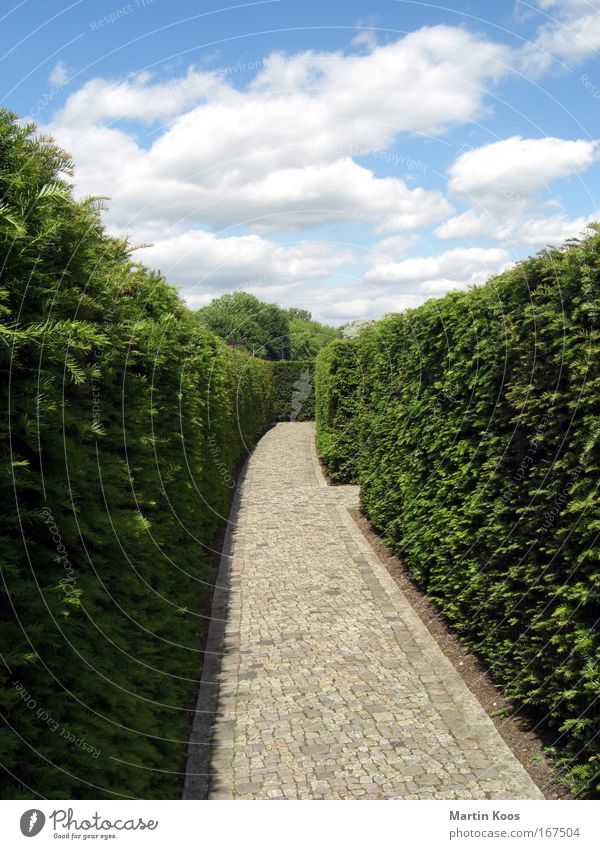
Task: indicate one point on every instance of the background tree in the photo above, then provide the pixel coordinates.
(298, 312)
(244, 321)
(352, 329)
(307, 337)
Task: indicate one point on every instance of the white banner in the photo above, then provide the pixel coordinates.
(274, 825)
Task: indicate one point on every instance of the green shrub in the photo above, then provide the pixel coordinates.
(293, 390)
(125, 424)
(476, 443)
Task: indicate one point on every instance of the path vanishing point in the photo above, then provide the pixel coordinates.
(329, 686)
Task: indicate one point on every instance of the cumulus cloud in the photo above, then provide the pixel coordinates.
(504, 182)
(570, 34)
(425, 82)
(519, 229)
(456, 268)
(139, 98)
(271, 155)
(504, 172)
(59, 75)
(553, 229)
(218, 264)
(355, 299)
(366, 38)
(467, 225)
(213, 171)
(158, 189)
(393, 246)
(299, 273)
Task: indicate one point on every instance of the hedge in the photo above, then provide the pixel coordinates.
(125, 425)
(475, 438)
(338, 389)
(293, 390)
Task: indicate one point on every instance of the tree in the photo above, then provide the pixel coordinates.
(297, 312)
(307, 337)
(245, 322)
(352, 329)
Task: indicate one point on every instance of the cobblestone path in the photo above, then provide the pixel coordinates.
(330, 686)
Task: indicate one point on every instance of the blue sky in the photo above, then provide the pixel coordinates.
(353, 158)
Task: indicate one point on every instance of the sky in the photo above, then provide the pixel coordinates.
(351, 158)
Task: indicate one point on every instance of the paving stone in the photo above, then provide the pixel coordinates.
(331, 687)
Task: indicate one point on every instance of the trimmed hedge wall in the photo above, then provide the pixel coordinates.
(125, 425)
(293, 390)
(338, 389)
(476, 443)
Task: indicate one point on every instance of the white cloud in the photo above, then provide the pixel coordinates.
(565, 6)
(277, 155)
(504, 182)
(136, 99)
(297, 274)
(453, 268)
(519, 229)
(467, 225)
(552, 230)
(338, 304)
(59, 75)
(393, 246)
(512, 171)
(574, 40)
(156, 188)
(200, 258)
(271, 155)
(427, 81)
(571, 33)
(365, 38)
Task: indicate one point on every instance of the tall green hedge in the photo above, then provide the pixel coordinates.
(123, 426)
(475, 438)
(293, 390)
(338, 390)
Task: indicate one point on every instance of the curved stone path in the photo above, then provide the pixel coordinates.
(330, 686)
